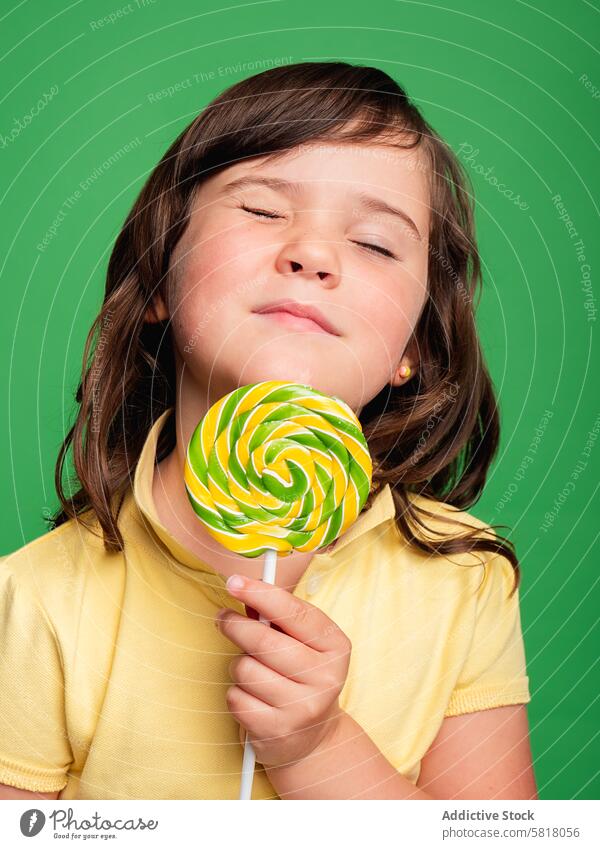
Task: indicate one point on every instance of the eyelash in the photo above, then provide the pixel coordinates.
(375, 248)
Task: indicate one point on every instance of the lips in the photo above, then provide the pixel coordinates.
(303, 311)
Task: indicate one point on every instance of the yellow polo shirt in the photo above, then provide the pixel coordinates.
(113, 676)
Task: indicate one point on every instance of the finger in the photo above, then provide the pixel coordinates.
(252, 713)
(278, 651)
(251, 613)
(296, 617)
(267, 685)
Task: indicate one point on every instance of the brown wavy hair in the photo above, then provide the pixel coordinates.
(435, 436)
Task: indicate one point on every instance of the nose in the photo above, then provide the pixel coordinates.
(311, 257)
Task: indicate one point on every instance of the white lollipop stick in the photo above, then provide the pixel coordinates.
(269, 569)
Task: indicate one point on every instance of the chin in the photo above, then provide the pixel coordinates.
(278, 370)
(292, 370)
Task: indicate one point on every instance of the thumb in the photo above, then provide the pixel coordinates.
(242, 734)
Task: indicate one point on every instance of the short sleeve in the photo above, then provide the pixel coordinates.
(35, 752)
(494, 672)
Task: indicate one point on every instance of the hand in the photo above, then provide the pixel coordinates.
(286, 683)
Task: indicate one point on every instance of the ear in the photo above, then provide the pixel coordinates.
(156, 311)
(410, 359)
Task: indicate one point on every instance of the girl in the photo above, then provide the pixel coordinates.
(308, 226)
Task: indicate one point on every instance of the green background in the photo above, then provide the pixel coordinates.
(508, 81)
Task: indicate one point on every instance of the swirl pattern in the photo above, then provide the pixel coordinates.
(277, 465)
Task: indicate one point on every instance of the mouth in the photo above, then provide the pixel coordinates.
(297, 316)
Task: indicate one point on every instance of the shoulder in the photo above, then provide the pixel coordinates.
(54, 554)
(445, 520)
(443, 517)
(436, 574)
(56, 568)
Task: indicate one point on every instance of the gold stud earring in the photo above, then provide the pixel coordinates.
(404, 371)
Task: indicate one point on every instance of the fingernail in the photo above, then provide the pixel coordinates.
(235, 582)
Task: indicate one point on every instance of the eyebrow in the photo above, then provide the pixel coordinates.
(366, 201)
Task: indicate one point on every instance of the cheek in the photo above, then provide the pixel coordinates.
(390, 307)
(213, 280)
(221, 274)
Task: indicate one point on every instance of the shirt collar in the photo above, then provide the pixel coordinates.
(382, 507)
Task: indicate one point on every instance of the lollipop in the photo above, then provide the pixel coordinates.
(275, 467)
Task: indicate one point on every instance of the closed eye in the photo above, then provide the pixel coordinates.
(377, 249)
(263, 213)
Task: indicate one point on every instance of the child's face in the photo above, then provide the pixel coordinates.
(231, 263)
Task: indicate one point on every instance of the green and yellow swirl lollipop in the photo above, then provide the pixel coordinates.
(275, 467)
